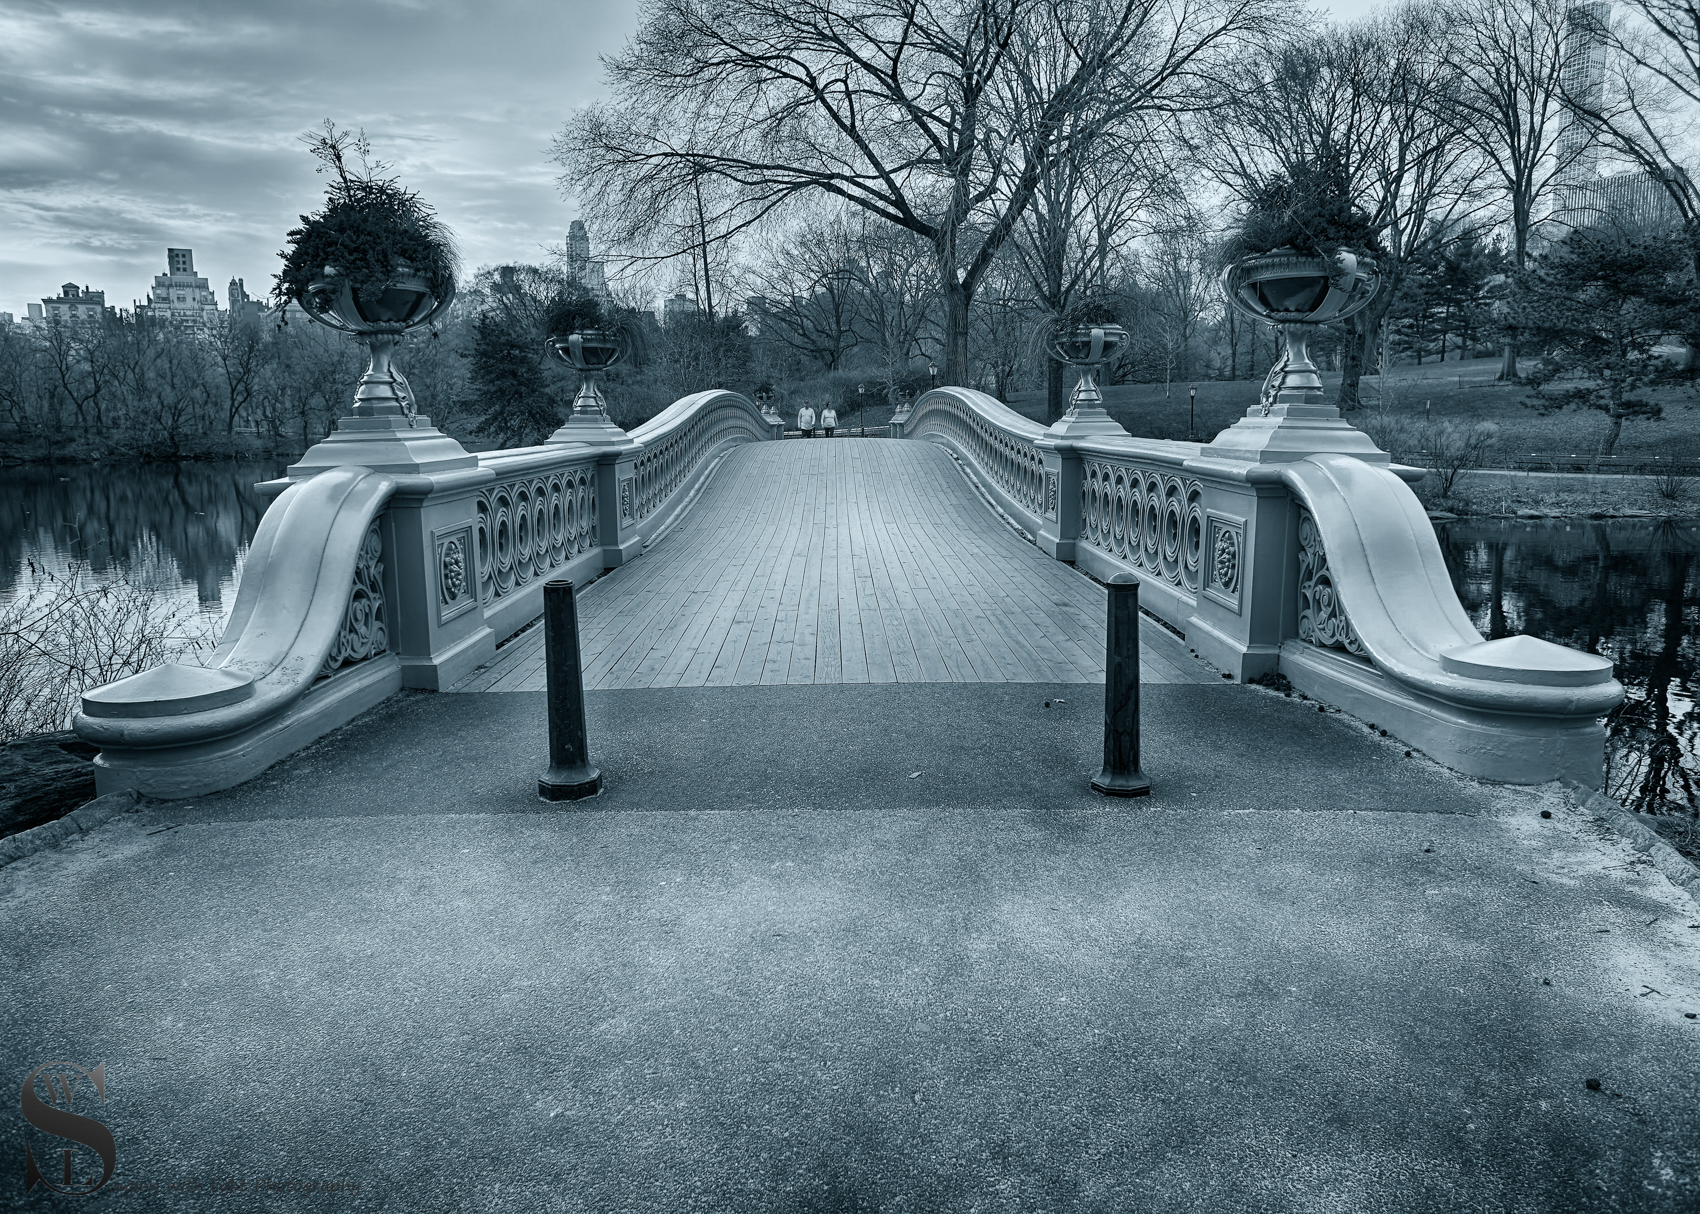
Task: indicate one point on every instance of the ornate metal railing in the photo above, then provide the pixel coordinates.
(388, 562)
(676, 442)
(996, 441)
(1149, 517)
(365, 625)
(528, 526)
(1322, 620)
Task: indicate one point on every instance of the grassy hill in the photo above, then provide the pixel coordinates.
(1457, 391)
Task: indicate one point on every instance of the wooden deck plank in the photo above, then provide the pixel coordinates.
(828, 664)
(764, 533)
(841, 561)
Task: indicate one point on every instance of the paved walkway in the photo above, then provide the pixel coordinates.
(857, 948)
(840, 561)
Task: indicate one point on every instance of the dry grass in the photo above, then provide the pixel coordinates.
(64, 632)
(1463, 393)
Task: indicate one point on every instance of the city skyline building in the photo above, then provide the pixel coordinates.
(677, 307)
(1586, 198)
(180, 296)
(581, 265)
(73, 305)
(243, 306)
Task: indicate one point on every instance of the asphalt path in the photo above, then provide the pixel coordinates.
(861, 948)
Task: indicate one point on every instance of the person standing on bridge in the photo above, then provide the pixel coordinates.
(829, 420)
(806, 421)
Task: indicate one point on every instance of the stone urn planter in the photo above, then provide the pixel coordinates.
(1088, 347)
(373, 262)
(590, 352)
(1295, 292)
(405, 303)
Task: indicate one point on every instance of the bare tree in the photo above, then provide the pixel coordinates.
(809, 291)
(1084, 217)
(1380, 96)
(238, 352)
(1510, 58)
(901, 108)
(899, 300)
(1177, 265)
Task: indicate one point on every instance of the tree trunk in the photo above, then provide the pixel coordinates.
(1362, 332)
(1616, 429)
(1056, 396)
(1507, 364)
(956, 302)
(1351, 364)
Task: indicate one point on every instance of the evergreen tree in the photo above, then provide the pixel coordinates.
(508, 383)
(1594, 306)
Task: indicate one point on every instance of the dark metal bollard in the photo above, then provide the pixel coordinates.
(1121, 776)
(570, 776)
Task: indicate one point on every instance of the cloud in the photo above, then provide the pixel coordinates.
(128, 127)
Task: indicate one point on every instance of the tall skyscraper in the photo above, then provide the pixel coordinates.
(579, 264)
(1634, 199)
(1585, 80)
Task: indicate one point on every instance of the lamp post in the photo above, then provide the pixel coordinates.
(1191, 409)
(933, 370)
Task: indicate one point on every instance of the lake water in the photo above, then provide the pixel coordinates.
(183, 527)
(1624, 589)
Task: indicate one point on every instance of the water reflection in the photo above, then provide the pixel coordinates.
(201, 515)
(1623, 589)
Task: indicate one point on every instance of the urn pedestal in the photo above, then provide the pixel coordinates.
(590, 353)
(384, 431)
(1087, 347)
(1295, 293)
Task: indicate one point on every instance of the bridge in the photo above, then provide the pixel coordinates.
(843, 561)
(847, 928)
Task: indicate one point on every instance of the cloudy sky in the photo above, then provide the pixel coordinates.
(128, 127)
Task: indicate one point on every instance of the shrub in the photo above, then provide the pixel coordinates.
(370, 229)
(1309, 209)
(573, 312)
(63, 633)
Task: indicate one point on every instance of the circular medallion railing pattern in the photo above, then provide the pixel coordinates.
(530, 526)
(1152, 520)
(1012, 463)
(661, 469)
